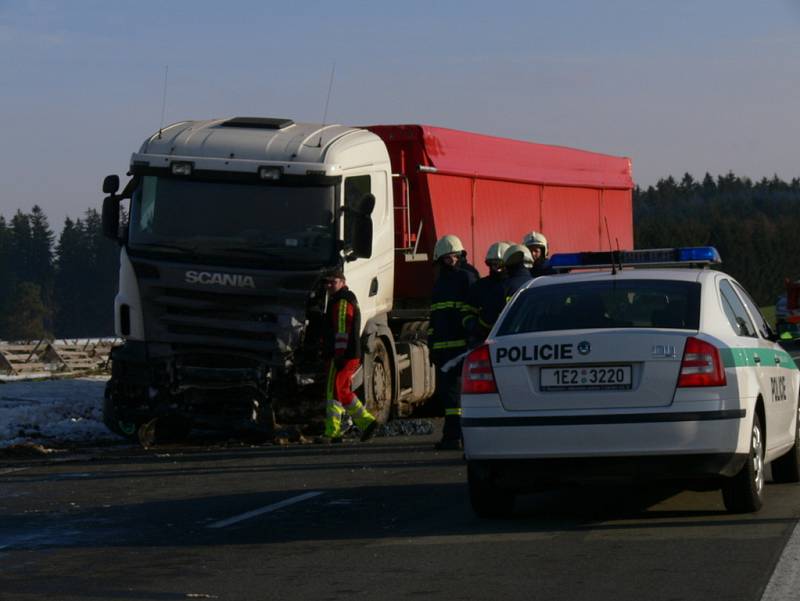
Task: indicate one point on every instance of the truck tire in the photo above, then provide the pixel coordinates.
(744, 492)
(378, 382)
(128, 430)
(487, 499)
(786, 468)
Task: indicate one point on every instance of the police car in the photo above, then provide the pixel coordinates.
(669, 372)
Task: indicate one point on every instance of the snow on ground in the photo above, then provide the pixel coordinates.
(52, 411)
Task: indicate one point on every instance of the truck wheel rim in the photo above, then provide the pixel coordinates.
(757, 457)
(379, 382)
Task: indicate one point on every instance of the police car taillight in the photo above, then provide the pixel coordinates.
(477, 376)
(701, 365)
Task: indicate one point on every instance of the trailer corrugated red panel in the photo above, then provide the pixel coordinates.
(484, 189)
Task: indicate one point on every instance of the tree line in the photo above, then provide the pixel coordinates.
(62, 288)
(754, 225)
(65, 287)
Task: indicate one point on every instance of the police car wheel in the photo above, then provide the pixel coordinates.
(744, 492)
(487, 499)
(787, 467)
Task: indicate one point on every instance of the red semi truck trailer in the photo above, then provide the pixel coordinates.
(235, 222)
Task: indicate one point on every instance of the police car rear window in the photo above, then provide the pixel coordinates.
(603, 305)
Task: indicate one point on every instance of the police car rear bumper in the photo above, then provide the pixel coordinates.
(534, 474)
(666, 443)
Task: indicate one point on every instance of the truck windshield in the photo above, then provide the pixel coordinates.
(291, 225)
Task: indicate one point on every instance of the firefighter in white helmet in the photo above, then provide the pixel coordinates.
(536, 242)
(518, 262)
(447, 338)
(486, 296)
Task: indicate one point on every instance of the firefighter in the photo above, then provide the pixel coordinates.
(486, 296)
(463, 263)
(342, 348)
(447, 338)
(518, 262)
(536, 242)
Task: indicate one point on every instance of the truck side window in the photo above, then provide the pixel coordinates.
(763, 327)
(356, 187)
(735, 311)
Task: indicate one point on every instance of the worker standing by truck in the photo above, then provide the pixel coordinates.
(447, 337)
(486, 296)
(343, 350)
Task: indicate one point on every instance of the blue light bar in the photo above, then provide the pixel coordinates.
(651, 257)
(699, 254)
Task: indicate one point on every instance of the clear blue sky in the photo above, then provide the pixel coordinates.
(678, 85)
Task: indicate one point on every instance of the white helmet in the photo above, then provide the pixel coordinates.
(536, 239)
(496, 251)
(447, 245)
(516, 254)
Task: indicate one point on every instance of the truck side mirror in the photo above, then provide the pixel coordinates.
(365, 205)
(111, 184)
(111, 217)
(358, 227)
(361, 237)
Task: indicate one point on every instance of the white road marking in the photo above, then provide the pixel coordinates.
(263, 510)
(12, 470)
(785, 580)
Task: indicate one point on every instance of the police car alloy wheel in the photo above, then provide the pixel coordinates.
(488, 500)
(744, 493)
(787, 468)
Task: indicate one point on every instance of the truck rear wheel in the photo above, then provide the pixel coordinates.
(378, 382)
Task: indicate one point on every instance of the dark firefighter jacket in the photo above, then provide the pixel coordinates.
(342, 326)
(518, 276)
(446, 335)
(485, 301)
(542, 268)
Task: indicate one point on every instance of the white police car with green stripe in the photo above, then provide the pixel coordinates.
(639, 373)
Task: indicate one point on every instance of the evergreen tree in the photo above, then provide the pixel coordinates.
(27, 314)
(70, 268)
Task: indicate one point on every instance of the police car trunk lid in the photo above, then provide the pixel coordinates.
(588, 369)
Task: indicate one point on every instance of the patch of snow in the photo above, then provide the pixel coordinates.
(53, 411)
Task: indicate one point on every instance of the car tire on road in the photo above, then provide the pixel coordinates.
(786, 468)
(744, 492)
(488, 500)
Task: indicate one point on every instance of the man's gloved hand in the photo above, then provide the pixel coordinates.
(339, 362)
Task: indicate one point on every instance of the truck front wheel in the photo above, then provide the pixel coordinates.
(378, 382)
(113, 420)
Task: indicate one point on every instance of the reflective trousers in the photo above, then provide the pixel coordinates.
(340, 382)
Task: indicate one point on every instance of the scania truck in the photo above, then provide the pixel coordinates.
(231, 225)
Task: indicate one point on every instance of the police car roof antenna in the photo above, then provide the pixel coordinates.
(610, 249)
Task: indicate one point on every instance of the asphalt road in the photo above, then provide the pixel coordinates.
(389, 520)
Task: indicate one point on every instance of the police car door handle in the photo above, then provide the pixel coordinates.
(756, 358)
(777, 360)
